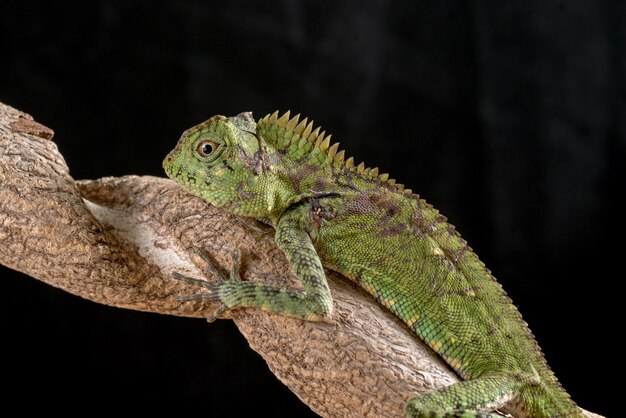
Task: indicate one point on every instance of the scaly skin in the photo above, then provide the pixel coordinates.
(329, 212)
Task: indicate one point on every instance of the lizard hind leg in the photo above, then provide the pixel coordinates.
(468, 399)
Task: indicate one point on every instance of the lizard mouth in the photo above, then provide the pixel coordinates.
(183, 177)
(168, 161)
(190, 185)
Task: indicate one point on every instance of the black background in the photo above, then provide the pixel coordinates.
(508, 116)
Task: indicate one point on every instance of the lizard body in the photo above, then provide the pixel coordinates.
(329, 212)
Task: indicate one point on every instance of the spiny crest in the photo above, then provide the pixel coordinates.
(286, 131)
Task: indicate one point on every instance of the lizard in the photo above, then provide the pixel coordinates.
(329, 212)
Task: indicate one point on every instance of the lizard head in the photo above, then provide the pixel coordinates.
(226, 163)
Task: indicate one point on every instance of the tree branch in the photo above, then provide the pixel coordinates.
(117, 241)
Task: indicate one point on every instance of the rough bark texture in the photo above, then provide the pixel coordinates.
(116, 241)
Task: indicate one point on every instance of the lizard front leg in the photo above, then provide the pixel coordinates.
(313, 304)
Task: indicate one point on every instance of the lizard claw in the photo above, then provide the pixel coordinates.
(216, 313)
(234, 269)
(213, 289)
(214, 286)
(196, 282)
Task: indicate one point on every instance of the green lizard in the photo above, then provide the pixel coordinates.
(329, 212)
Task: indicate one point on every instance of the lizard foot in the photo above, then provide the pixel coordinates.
(213, 286)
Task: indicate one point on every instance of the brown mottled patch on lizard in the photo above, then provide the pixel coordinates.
(389, 207)
(303, 173)
(319, 212)
(245, 194)
(254, 163)
(321, 185)
(391, 231)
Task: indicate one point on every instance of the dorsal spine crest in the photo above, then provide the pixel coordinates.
(300, 136)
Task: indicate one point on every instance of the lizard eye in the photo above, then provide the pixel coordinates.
(206, 148)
